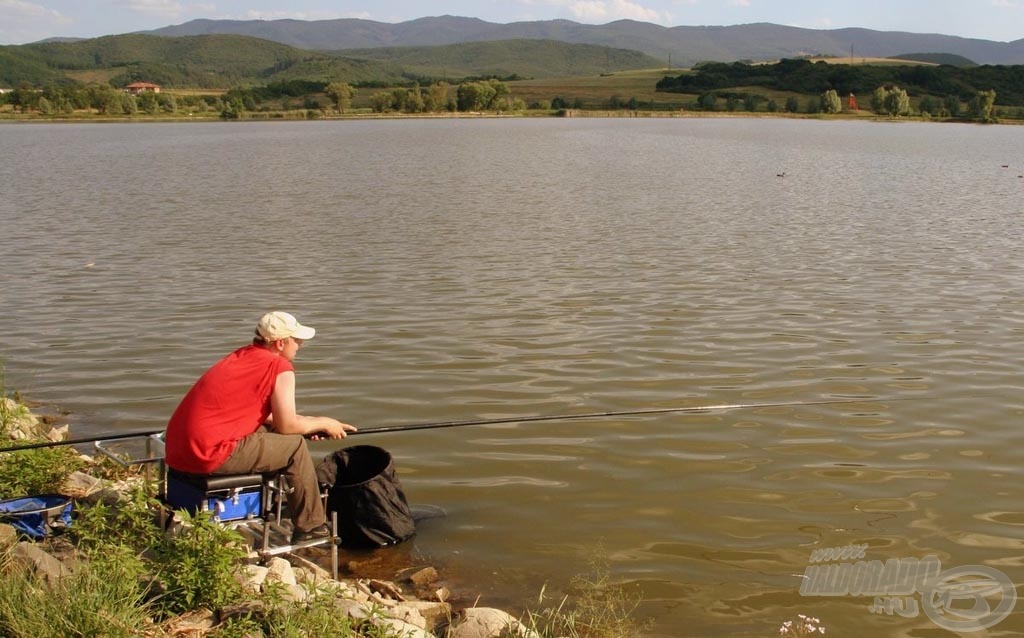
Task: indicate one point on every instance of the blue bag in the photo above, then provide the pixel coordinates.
(37, 516)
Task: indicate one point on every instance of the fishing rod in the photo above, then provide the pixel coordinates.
(597, 415)
(516, 419)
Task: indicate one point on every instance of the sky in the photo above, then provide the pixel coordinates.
(23, 21)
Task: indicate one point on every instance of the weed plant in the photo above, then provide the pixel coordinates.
(597, 609)
(197, 564)
(276, 617)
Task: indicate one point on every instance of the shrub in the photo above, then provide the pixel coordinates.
(39, 471)
(129, 523)
(197, 565)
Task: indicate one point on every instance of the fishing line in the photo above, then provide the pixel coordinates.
(517, 419)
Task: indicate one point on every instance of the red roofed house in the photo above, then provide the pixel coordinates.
(138, 87)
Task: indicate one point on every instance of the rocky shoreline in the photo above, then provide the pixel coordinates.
(413, 604)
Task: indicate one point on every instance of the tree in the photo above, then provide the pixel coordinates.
(381, 102)
(792, 104)
(981, 105)
(930, 105)
(878, 100)
(342, 95)
(148, 102)
(892, 101)
(482, 96)
(897, 102)
(414, 102)
(474, 96)
(708, 101)
(46, 107)
(952, 105)
(830, 102)
(168, 103)
(436, 98)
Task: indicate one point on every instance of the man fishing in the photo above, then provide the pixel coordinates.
(240, 418)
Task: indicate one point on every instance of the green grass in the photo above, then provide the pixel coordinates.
(596, 90)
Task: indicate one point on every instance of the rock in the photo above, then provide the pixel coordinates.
(193, 623)
(295, 594)
(385, 588)
(80, 485)
(37, 561)
(434, 613)
(409, 615)
(355, 610)
(252, 608)
(423, 577)
(8, 535)
(21, 424)
(485, 622)
(58, 434)
(442, 594)
(252, 577)
(280, 570)
(395, 627)
(307, 570)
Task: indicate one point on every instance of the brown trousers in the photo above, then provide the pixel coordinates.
(264, 452)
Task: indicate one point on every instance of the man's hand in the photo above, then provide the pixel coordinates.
(331, 429)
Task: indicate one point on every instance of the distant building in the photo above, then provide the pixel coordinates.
(138, 87)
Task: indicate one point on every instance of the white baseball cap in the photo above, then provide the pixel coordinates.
(277, 325)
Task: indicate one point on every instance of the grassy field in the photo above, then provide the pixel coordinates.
(595, 91)
(600, 89)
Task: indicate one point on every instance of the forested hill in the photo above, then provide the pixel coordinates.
(685, 45)
(220, 61)
(803, 76)
(507, 58)
(198, 61)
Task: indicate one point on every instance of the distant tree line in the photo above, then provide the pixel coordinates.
(103, 98)
(313, 97)
(803, 76)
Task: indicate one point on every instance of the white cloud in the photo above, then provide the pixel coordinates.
(21, 10)
(1005, 4)
(739, 3)
(22, 21)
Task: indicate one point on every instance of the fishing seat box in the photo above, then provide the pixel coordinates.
(233, 497)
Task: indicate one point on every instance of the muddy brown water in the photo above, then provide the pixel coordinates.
(502, 268)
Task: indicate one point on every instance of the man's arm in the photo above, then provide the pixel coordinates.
(285, 420)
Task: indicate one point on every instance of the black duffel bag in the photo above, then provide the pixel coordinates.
(364, 491)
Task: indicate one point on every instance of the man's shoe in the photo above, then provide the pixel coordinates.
(315, 534)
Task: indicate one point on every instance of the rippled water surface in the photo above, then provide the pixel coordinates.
(504, 268)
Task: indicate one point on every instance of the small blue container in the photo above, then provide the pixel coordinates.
(37, 516)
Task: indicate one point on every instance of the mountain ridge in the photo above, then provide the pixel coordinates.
(681, 45)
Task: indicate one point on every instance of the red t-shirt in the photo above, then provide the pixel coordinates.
(229, 402)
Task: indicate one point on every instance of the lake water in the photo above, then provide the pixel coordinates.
(481, 269)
